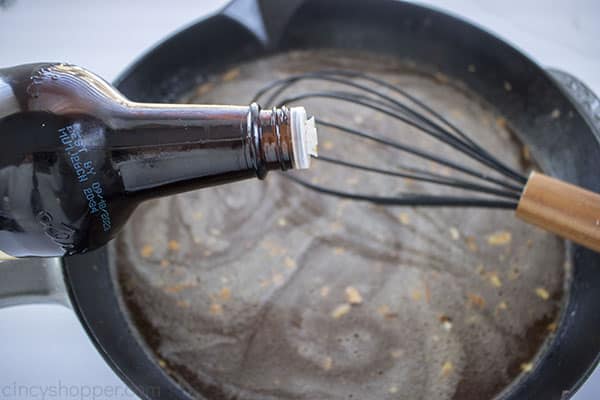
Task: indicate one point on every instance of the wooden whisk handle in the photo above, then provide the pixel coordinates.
(561, 208)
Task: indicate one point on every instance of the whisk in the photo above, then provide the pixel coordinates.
(554, 205)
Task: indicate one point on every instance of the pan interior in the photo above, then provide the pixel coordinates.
(267, 290)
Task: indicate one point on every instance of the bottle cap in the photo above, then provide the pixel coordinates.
(304, 137)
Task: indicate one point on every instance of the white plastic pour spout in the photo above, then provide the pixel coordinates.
(304, 137)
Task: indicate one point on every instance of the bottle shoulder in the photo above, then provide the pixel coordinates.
(57, 88)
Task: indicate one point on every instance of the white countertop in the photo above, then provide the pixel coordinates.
(45, 346)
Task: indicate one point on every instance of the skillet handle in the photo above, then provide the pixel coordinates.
(561, 208)
(31, 281)
(266, 19)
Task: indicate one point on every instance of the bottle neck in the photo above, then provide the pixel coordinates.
(164, 149)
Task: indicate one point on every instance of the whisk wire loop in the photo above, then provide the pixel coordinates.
(414, 113)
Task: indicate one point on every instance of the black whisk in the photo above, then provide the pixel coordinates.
(502, 190)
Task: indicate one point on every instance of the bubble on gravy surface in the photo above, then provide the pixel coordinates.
(267, 290)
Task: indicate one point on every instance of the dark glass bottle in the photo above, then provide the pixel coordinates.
(76, 157)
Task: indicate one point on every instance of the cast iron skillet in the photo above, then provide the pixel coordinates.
(248, 29)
